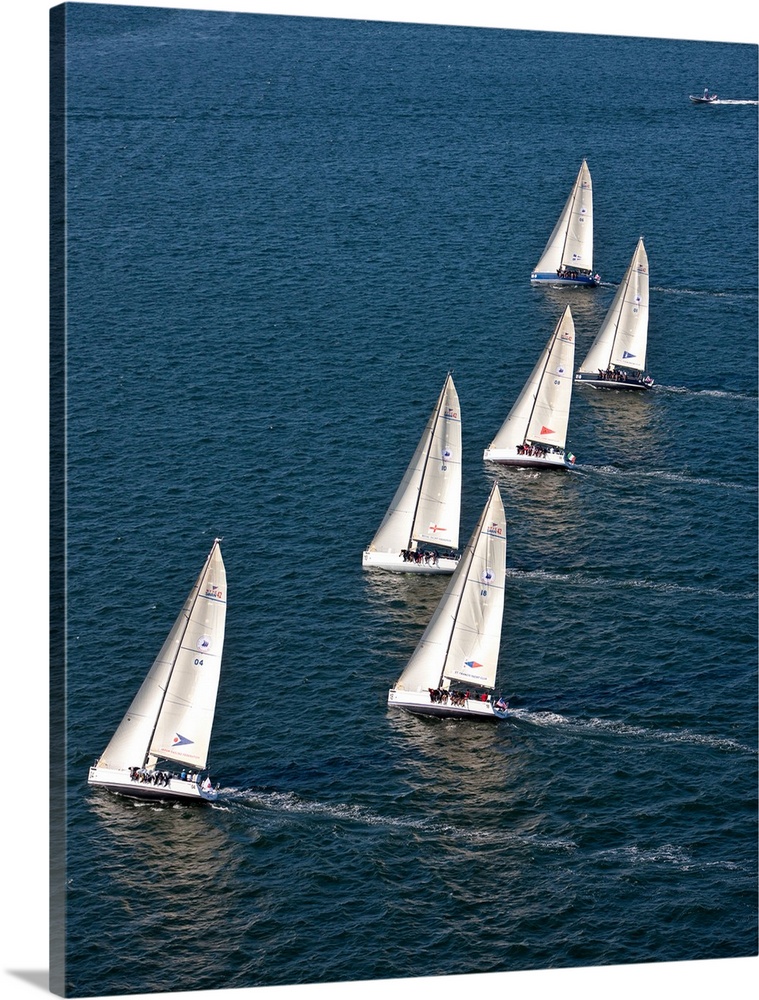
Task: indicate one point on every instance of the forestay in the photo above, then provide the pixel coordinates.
(427, 505)
(541, 411)
(172, 713)
(462, 640)
(570, 244)
(623, 336)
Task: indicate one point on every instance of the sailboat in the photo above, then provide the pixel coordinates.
(420, 531)
(617, 357)
(171, 716)
(535, 431)
(568, 255)
(453, 668)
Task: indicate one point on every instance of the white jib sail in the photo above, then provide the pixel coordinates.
(427, 504)
(463, 638)
(622, 339)
(571, 242)
(541, 412)
(172, 713)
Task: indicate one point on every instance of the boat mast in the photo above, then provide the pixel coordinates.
(540, 383)
(570, 214)
(178, 650)
(618, 318)
(573, 199)
(480, 523)
(433, 426)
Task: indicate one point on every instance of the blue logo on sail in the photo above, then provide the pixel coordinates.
(627, 354)
(180, 741)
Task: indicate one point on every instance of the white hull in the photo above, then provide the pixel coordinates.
(510, 456)
(121, 781)
(395, 563)
(420, 703)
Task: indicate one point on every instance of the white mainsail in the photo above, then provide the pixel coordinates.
(570, 245)
(462, 640)
(622, 339)
(427, 505)
(172, 713)
(541, 413)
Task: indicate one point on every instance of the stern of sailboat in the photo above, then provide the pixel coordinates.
(510, 456)
(158, 786)
(423, 703)
(579, 280)
(394, 562)
(614, 380)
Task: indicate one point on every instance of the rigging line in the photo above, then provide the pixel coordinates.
(575, 192)
(542, 376)
(431, 438)
(480, 525)
(194, 601)
(626, 287)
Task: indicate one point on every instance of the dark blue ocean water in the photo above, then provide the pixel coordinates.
(281, 233)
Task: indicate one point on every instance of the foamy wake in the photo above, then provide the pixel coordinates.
(623, 729)
(289, 802)
(579, 579)
(707, 393)
(669, 476)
